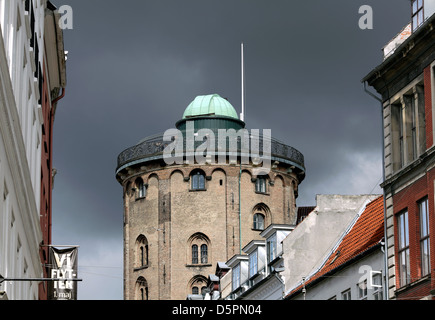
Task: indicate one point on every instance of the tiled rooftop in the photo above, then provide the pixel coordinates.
(367, 232)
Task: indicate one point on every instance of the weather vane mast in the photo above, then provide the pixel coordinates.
(242, 115)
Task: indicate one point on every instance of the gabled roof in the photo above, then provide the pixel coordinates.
(366, 234)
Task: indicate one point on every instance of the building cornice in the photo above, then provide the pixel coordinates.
(411, 57)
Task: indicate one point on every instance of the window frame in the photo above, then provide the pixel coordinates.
(140, 188)
(204, 253)
(377, 286)
(253, 263)
(258, 224)
(261, 184)
(195, 255)
(417, 14)
(271, 243)
(197, 180)
(362, 290)
(346, 294)
(236, 277)
(403, 255)
(424, 234)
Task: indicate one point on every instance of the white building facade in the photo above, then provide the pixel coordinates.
(23, 77)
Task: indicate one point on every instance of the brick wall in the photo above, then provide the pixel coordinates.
(407, 199)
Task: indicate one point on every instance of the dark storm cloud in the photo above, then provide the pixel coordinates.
(134, 66)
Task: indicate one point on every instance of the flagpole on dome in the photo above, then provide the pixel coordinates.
(242, 114)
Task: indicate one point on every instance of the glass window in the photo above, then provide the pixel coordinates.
(195, 290)
(253, 263)
(403, 257)
(260, 184)
(194, 254)
(198, 181)
(424, 236)
(362, 290)
(204, 253)
(141, 188)
(417, 14)
(271, 248)
(142, 289)
(236, 277)
(258, 221)
(377, 287)
(345, 295)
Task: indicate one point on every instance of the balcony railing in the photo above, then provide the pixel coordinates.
(152, 148)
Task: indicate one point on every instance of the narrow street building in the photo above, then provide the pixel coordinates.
(32, 78)
(405, 81)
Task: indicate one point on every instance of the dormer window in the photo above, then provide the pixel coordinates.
(271, 248)
(417, 14)
(253, 263)
(236, 277)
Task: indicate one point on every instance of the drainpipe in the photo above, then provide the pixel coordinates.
(385, 246)
(58, 98)
(52, 112)
(240, 207)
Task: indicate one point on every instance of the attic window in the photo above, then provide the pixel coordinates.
(417, 14)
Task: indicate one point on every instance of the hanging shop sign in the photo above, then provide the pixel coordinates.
(63, 266)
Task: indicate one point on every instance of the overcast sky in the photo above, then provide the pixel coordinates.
(134, 66)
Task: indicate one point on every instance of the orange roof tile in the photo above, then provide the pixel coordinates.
(367, 232)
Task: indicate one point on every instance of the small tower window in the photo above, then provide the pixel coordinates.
(198, 180)
(141, 188)
(199, 246)
(204, 253)
(194, 254)
(260, 184)
(141, 252)
(258, 221)
(141, 289)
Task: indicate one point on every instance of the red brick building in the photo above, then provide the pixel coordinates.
(405, 80)
(52, 88)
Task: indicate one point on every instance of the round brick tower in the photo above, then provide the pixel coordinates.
(182, 216)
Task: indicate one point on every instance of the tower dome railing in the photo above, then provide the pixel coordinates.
(153, 147)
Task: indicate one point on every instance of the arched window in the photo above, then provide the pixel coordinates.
(141, 252)
(260, 184)
(199, 246)
(197, 285)
(204, 253)
(141, 289)
(198, 180)
(258, 221)
(141, 188)
(261, 216)
(194, 254)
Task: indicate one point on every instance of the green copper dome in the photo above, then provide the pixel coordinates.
(210, 105)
